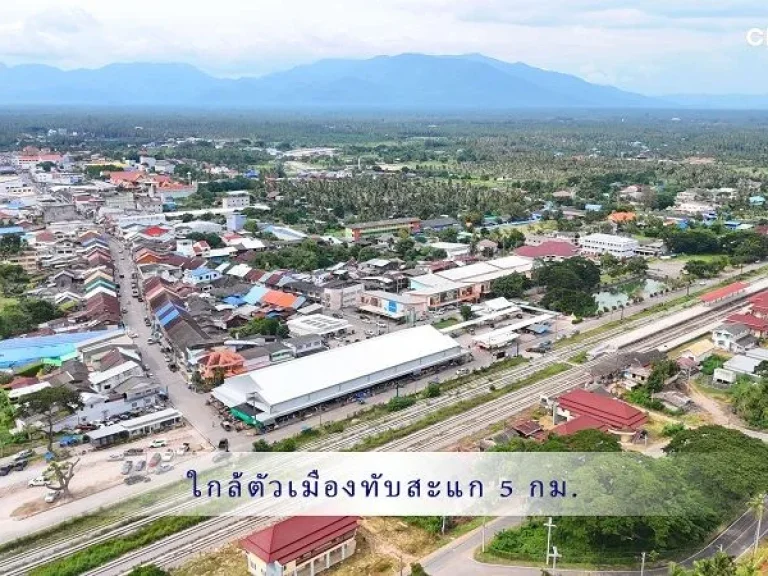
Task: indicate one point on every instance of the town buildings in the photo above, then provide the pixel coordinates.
(618, 246)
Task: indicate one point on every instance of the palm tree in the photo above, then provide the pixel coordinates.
(757, 505)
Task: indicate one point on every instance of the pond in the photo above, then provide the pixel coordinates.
(622, 294)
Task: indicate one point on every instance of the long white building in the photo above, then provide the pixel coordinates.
(619, 246)
(264, 395)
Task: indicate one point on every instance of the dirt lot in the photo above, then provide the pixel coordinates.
(94, 473)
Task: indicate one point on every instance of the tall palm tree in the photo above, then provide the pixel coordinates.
(757, 505)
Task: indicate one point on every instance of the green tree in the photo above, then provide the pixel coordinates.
(512, 286)
(148, 570)
(49, 405)
(417, 570)
(466, 312)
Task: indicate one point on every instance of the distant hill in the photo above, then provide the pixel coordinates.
(404, 82)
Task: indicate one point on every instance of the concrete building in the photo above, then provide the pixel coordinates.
(735, 338)
(586, 410)
(341, 294)
(301, 546)
(372, 229)
(265, 395)
(453, 249)
(236, 199)
(618, 246)
(394, 306)
(105, 381)
(318, 325)
(58, 212)
(136, 427)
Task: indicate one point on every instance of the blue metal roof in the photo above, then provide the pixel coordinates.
(199, 272)
(167, 307)
(20, 351)
(255, 295)
(234, 300)
(7, 230)
(168, 317)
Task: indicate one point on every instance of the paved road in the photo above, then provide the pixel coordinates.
(190, 403)
(458, 557)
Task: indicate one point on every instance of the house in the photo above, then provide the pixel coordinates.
(741, 364)
(224, 360)
(735, 338)
(105, 381)
(549, 250)
(201, 275)
(301, 546)
(437, 224)
(452, 249)
(622, 217)
(487, 247)
(757, 326)
(698, 351)
(603, 412)
(303, 345)
(342, 294)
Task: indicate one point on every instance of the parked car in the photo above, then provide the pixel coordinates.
(139, 466)
(154, 460)
(38, 481)
(51, 496)
(133, 334)
(5, 469)
(134, 452)
(20, 465)
(381, 324)
(127, 467)
(158, 443)
(147, 322)
(136, 479)
(163, 468)
(23, 455)
(116, 457)
(337, 315)
(462, 371)
(168, 455)
(183, 449)
(226, 425)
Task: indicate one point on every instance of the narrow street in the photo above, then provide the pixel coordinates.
(190, 403)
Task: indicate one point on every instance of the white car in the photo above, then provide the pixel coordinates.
(167, 456)
(115, 457)
(163, 468)
(370, 333)
(39, 481)
(381, 324)
(158, 443)
(133, 334)
(366, 320)
(51, 496)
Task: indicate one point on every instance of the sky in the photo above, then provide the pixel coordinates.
(648, 46)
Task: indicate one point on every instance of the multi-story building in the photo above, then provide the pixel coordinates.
(236, 199)
(618, 246)
(373, 229)
(341, 294)
(26, 259)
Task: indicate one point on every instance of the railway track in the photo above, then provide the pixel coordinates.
(434, 437)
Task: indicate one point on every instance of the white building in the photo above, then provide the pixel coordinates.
(341, 294)
(452, 249)
(202, 275)
(619, 246)
(105, 381)
(317, 325)
(236, 199)
(283, 389)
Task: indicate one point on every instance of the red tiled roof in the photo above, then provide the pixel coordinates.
(724, 292)
(548, 249)
(760, 299)
(609, 411)
(752, 322)
(578, 424)
(45, 236)
(294, 537)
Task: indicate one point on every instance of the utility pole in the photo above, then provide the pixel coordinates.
(483, 534)
(549, 524)
(555, 556)
(642, 564)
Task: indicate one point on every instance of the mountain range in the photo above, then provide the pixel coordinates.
(404, 82)
(416, 82)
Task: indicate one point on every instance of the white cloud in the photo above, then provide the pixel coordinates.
(641, 45)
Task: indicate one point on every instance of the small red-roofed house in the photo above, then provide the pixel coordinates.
(586, 410)
(301, 546)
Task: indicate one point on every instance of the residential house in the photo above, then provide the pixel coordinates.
(735, 338)
(201, 275)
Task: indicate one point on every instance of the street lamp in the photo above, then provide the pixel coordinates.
(642, 564)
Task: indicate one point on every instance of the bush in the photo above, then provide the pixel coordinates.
(285, 445)
(334, 427)
(148, 570)
(399, 403)
(577, 320)
(262, 446)
(672, 429)
(418, 570)
(432, 391)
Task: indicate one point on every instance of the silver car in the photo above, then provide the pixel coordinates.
(127, 467)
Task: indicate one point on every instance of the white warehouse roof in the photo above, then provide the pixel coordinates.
(339, 371)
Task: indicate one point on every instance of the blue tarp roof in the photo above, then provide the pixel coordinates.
(20, 351)
(199, 272)
(538, 328)
(234, 300)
